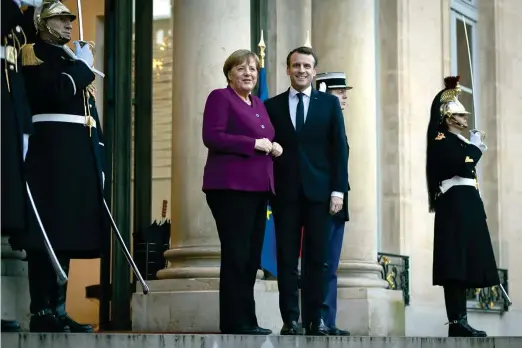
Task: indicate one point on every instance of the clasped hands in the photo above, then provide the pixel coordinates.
(269, 147)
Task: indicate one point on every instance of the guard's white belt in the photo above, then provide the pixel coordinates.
(456, 181)
(68, 118)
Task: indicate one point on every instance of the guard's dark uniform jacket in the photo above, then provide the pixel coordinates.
(65, 159)
(463, 253)
(344, 214)
(16, 120)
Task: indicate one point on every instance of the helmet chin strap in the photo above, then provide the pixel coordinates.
(457, 123)
(56, 36)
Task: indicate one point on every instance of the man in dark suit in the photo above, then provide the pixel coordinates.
(334, 83)
(311, 178)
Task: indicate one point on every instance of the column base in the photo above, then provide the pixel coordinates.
(192, 306)
(371, 312)
(357, 274)
(15, 286)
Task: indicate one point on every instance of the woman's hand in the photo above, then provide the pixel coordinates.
(263, 145)
(277, 150)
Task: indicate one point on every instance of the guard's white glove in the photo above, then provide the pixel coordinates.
(84, 54)
(476, 139)
(34, 3)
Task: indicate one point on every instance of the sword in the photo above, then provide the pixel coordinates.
(126, 251)
(62, 277)
(81, 40)
(80, 18)
(504, 292)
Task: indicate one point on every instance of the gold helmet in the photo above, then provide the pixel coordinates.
(50, 9)
(449, 99)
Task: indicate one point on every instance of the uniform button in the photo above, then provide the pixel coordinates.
(257, 115)
(263, 126)
(10, 36)
(90, 105)
(18, 29)
(11, 67)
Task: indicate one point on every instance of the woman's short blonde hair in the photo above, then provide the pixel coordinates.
(238, 58)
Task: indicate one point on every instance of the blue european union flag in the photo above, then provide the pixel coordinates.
(269, 253)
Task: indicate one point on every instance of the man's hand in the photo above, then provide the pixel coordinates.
(336, 204)
(277, 150)
(84, 53)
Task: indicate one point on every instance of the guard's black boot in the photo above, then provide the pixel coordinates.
(73, 325)
(461, 328)
(10, 326)
(46, 321)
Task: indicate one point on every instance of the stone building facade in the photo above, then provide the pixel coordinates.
(395, 54)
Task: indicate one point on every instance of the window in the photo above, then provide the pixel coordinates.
(464, 15)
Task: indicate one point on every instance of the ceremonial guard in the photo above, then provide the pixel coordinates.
(463, 255)
(334, 83)
(16, 121)
(63, 163)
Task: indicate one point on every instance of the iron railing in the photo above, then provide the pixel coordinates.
(396, 272)
(489, 299)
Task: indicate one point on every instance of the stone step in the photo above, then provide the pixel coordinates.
(27, 340)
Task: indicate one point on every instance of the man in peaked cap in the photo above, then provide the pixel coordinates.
(64, 163)
(16, 124)
(334, 83)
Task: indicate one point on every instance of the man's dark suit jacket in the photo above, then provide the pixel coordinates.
(315, 158)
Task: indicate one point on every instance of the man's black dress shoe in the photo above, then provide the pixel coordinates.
(290, 329)
(46, 321)
(73, 325)
(334, 331)
(256, 330)
(10, 326)
(318, 329)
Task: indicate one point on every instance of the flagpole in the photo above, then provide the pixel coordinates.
(262, 47)
(308, 43)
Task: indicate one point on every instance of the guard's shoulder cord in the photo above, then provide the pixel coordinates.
(29, 58)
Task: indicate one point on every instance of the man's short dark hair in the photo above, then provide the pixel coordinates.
(301, 50)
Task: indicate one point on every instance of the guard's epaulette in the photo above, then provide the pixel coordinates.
(440, 136)
(29, 58)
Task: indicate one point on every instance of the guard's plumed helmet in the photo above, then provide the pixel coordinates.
(50, 9)
(449, 99)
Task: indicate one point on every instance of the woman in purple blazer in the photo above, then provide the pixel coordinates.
(237, 181)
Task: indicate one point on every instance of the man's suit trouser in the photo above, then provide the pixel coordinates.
(289, 217)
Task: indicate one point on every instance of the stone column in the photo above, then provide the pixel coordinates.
(186, 298)
(15, 286)
(288, 23)
(343, 36)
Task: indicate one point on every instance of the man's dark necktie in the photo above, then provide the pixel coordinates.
(299, 114)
